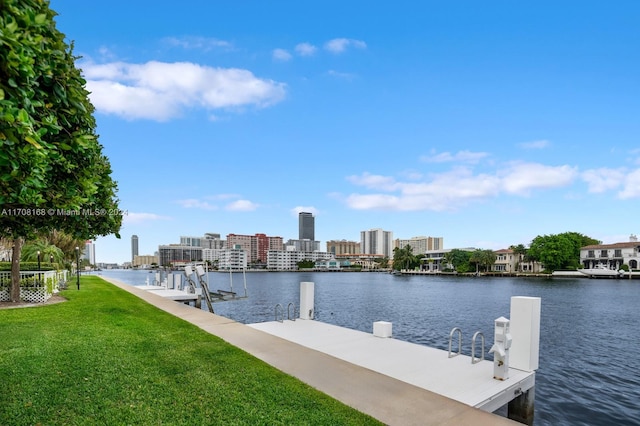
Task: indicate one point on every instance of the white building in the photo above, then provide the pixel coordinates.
(377, 241)
(211, 255)
(233, 259)
(421, 245)
(612, 256)
(89, 252)
(282, 260)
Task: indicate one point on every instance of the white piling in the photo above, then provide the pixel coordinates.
(382, 329)
(306, 300)
(525, 331)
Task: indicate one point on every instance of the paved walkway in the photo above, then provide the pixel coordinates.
(387, 399)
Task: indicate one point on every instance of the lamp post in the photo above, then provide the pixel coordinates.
(38, 266)
(78, 267)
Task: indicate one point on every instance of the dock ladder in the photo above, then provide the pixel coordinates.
(474, 359)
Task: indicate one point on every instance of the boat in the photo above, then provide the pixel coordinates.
(601, 271)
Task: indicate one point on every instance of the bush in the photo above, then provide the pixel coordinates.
(30, 266)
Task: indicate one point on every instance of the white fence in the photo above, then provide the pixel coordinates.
(35, 286)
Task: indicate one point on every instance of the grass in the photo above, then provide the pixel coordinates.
(106, 357)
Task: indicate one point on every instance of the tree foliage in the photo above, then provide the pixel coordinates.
(403, 258)
(458, 259)
(50, 158)
(483, 259)
(306, 264)
(559, 251)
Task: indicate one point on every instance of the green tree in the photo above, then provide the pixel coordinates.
(48, 252)
(403, 258)
(483, 259)
(306, 264)
(559, 251)
(50, 159)
(520, 251)
(458, 259)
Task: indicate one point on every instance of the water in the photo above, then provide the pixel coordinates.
(589, 366)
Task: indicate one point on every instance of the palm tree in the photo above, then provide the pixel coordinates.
(520, 251)
(47, 252)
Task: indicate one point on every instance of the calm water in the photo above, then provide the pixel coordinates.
(590, 339)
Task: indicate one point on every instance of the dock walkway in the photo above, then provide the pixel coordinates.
(388, 399)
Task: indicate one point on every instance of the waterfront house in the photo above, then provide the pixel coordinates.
(612, 256)
(506, 261)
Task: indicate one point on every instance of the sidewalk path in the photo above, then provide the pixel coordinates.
(387, 399)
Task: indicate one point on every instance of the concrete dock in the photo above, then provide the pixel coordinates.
(388, 399)
(422, 366)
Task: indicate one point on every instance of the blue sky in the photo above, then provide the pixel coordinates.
(485, 123)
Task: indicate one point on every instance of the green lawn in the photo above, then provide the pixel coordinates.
(106, 357)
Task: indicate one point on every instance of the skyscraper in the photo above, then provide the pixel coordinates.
(134, 247)
(376, 241)
(306, 226)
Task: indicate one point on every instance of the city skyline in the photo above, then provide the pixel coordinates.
(487, 124)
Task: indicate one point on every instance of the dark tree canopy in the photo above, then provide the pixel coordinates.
(559, 251)
(50, 159)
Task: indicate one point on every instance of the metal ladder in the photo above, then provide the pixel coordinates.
(474, 359)
(279, 308)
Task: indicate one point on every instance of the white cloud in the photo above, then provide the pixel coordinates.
(383, 183)
(341, 75)
(520, 178)
(455, 188)
(339, 45)
(281, 55)
(305, 49)
(308, 209)
(193, 203)
(460, 157)
(161, 91)
(534, 144)
(140, 218)
(631, 188)
(241, 206)
(200, 43)
(601, 180)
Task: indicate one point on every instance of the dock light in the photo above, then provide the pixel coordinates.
(78, 266)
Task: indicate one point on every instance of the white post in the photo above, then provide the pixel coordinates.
(170, 284)
(306, 300)
(525, 329)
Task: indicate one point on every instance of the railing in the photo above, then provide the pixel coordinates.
(35, 286)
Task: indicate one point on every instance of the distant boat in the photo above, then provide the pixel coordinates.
(601, 271)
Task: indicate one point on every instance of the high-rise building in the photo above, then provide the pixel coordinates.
(377, 241)
(190, 241)
(256, 245)
(134, 247)
(306, 226)
(421, 245)
(336, 247)
(89, 252)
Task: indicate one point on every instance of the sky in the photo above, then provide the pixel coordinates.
(484, 123)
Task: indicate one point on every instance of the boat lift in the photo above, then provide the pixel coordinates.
(209, 295)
